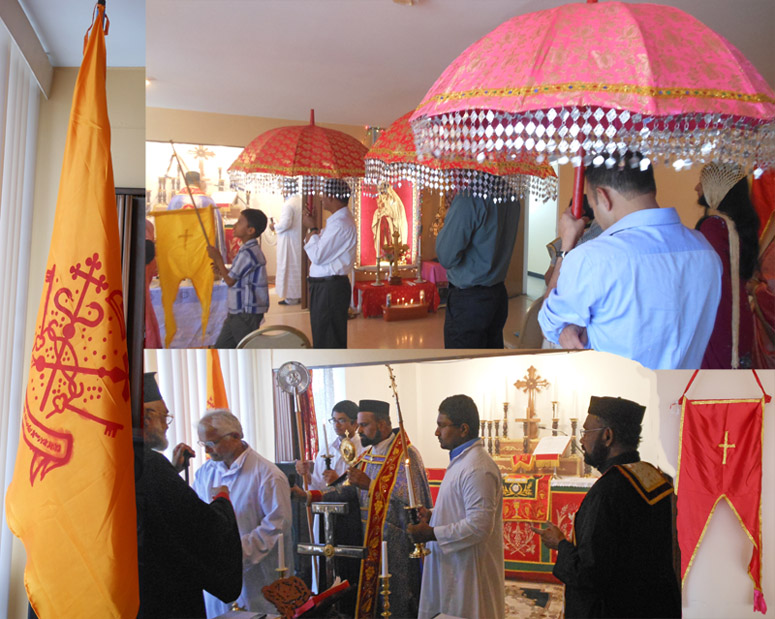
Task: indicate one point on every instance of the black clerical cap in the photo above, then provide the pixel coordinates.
(151, 391)
(608, 408)
(378, 407)
(346, 407)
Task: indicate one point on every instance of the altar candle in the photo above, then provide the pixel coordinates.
(325, 438)
(384, 559)
(554, 390)
(506, 393)
(409, 484)
(422, 296)
(281, 552)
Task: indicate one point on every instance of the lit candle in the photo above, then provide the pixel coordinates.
(384, 559)
(422, 296)
(409, 484)
(281, 553)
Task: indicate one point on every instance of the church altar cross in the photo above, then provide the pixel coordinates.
(531, 384)
(725, 445)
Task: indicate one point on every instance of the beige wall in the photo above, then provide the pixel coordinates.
(163, 125)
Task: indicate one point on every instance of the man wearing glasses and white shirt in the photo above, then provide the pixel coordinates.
(344, 418)
(261, 498)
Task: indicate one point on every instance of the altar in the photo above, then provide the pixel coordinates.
(370, 298)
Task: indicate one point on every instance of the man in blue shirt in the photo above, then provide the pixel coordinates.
(647, 288)
(248, 297)
(475, 247)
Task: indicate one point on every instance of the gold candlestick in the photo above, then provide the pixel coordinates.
(281, 572)
(489, 437)
(420, 551)
(505, 420)
(574, 422)
(385, 596)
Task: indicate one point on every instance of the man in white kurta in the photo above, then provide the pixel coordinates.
(288, 230)
(464, 574)
(261, 498)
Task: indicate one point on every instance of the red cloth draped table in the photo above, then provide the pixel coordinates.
(372, 298)
(531, 500)
(434, 272)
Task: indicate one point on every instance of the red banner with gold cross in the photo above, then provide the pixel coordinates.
(720, 457)
(379, 500)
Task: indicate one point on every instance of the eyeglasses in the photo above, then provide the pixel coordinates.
(166, 416)
(338, 422)
(585, 432)
(212, 444)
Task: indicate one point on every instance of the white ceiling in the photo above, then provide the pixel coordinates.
(355, 61)
(61, 25)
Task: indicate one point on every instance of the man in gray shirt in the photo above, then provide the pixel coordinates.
(475, 247)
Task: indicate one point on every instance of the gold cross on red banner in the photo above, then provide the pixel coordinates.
(725, 445)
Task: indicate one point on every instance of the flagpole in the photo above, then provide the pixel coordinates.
(191, 195)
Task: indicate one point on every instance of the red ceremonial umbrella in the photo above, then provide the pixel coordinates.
(583, 82)
(309, 151)
(393, 159)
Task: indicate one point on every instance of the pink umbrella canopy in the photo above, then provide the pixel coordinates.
(582, 82)
(393, 159)
(308, 151)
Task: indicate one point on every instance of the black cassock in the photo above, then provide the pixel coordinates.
(184, 545)
(621, 564)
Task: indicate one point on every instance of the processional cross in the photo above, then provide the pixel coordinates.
(531, 384)
(329, 550)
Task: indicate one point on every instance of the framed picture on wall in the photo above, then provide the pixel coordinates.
(380, 213)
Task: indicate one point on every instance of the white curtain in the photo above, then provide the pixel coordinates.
(328, 388)
(182, 378)
(19, 101)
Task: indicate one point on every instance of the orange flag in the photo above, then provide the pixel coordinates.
(216, 391)
(72, 497)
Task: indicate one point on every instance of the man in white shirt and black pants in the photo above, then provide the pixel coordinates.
(332, 256)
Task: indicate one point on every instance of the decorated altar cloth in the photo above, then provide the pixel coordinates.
(530, 500)
(188, 314)
(371, 298)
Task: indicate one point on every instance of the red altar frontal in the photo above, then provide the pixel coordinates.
(529, 500)
(371, 298)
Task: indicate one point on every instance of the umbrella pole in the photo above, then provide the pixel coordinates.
(578, 188)
(191, 195)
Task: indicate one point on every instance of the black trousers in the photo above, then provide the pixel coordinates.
(235, 327)
(329, 300)
(475, 317)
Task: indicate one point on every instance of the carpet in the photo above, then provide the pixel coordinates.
(529, 600)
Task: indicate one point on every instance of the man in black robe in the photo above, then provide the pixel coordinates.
(620, 562)
(184, 545)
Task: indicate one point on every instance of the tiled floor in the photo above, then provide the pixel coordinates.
(377, 333)
(530, 600)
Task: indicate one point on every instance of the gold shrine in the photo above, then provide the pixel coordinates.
(511, 453)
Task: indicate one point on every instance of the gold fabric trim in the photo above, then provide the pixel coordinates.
(572, 87)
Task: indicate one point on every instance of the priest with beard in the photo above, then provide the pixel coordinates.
(378, 479)
(620, 560)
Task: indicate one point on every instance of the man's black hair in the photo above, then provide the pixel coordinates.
(625, 176)
(337, 188)
(346, 407)
(461, 409)
(256, 219)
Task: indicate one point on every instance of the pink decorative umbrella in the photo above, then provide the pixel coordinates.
(393, 159)
(582, 82)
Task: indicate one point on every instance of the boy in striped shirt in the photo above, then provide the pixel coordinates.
(248, 296)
